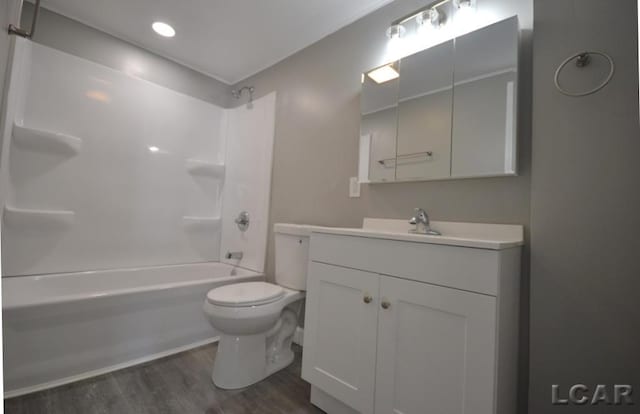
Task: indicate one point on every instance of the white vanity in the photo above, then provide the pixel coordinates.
(408, 323)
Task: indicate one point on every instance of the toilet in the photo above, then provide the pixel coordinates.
(257, 320)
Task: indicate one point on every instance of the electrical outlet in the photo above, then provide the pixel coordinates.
(354, 187)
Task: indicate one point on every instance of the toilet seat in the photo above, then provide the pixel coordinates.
(245, 294)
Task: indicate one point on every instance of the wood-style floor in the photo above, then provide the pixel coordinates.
(179, 384)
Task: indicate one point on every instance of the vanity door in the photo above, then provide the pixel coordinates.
(341, 319)
(485, 101)
(379, 123)
(436, 350)
(424, 114)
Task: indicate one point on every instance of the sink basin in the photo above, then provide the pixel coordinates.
(478, 235)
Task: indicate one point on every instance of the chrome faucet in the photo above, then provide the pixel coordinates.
(234, 255)
(421, 221)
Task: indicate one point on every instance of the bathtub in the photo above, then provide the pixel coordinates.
(61, 328)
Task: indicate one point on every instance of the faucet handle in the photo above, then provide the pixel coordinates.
(420, 211)
(422, 216)
(417, 217)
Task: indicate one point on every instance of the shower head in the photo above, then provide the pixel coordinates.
(237, 93)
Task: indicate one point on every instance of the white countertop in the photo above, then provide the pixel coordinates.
(476, 235)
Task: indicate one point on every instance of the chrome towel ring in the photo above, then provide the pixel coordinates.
(583, 59)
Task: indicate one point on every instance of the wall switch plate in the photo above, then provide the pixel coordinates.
(354, 187)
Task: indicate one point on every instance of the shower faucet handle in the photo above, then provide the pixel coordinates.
(243, 221)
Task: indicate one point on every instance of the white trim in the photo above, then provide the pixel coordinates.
(364, 158)
(298, 336)
(453, 177)
(328, 403)
(106, 370)
(510, 132)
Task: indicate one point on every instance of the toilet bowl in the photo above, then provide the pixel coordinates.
(257, 320)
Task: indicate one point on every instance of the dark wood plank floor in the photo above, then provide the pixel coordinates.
(178, 384)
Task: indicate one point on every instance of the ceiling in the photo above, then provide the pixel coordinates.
(229, 40)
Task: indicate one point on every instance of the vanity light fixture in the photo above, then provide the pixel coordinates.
(163, 29)
(384, 74)
(432, 13)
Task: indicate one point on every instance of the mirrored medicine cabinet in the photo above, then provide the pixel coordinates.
(446, 112)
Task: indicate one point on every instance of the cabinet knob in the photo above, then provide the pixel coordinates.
(367, 298)
(385, 304)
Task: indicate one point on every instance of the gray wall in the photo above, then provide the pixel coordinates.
(77, 39)
(585, 222)
(317, 137)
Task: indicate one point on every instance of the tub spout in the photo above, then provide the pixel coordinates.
(234, 255)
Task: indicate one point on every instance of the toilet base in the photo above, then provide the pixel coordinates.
(243, 363)
(243, 360)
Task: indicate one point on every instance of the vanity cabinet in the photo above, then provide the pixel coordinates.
(399, 339)
(446, 112)
(435, 346)
(340, 341)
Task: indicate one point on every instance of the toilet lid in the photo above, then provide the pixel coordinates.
(245, 294)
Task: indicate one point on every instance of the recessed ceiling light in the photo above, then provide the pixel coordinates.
(384, 74)
(154, 149)
(163, 29)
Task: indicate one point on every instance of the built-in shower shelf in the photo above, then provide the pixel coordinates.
(45, 141)
(206, 168)
(22, 217)
(202, 222)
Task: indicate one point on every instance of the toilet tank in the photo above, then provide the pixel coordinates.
(292, 254)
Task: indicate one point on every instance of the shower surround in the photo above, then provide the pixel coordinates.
(119, 198)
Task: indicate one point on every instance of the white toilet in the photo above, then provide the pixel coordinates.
(257, 320)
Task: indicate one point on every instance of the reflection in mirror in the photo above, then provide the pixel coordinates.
(485, 99)
(424, 114)
(379, 102)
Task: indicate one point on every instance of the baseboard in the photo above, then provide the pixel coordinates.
(79, 377)
(298, 336)
(328, 404)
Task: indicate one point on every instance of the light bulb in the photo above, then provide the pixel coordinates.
(464, 4)
(396, 31)
(432, 16)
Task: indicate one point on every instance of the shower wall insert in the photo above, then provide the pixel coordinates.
(103, 172)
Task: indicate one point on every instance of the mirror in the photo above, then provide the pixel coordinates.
(446, 112)
(424, 114)
(484, 125)
(378, 125)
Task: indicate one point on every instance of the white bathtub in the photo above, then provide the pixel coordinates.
(65, 327)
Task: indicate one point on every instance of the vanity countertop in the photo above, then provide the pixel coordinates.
(475, 235)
